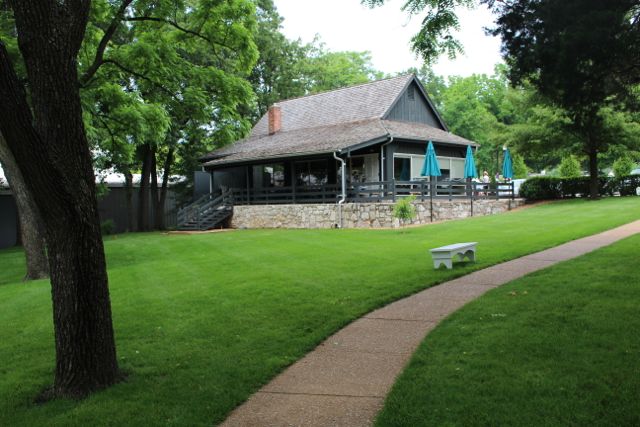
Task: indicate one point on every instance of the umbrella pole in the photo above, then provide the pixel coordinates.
(431, 198)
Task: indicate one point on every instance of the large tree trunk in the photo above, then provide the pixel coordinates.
(161, 201)
(51, 148)
(594, 184)
(143, 193)
(31, 227)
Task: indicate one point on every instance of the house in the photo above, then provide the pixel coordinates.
(379, 129)
(339, 158)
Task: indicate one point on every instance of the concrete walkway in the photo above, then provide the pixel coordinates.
(344, 381)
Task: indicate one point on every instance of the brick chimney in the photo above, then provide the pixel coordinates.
(275, 119)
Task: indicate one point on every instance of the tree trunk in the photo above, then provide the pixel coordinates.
(128, 182)
(143, 192)
(594, 184)
(49, 144)
(31, 228)
(154, 185)
(160, 203)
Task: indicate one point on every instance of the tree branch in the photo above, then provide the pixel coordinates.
(138, 75)
(108, 34)
(172, 23)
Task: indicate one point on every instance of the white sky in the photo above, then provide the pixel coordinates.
(386, 32)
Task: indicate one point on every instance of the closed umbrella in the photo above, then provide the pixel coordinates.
(507, 165)
(470, 170)
(431, 168)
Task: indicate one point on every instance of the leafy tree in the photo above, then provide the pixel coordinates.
(578, 53)
(324, 70)
(436, 35)
(278, 73)
(520, 169)
(53, 40)
(570, 167)
(623, 166)
(180, 88)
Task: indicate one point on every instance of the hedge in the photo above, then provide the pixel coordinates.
(548, 188)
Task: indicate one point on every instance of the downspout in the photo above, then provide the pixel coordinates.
(383, 158)
(343, 195)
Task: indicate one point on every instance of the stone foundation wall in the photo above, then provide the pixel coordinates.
(359, 215)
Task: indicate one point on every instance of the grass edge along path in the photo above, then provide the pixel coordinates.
(557, 347)
(203, 321)
(345, 380)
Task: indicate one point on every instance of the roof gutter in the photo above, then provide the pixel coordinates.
(343, 195)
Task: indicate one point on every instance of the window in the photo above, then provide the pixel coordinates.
(311, 173)
(268, 175)
(356, 170)
(408, 167)
(402, 168)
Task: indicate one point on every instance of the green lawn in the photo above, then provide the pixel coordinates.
(557, 347)
(202, 321)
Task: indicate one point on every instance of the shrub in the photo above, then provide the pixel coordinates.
(626, 185)
(404, 209)
(541, 188)
(549, 188)
(570, 167)
(623, 166)
(107, 227)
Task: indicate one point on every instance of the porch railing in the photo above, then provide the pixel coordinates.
(383, 191)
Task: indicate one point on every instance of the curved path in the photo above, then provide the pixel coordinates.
(344, 381)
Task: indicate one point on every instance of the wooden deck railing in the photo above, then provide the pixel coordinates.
(373, 192)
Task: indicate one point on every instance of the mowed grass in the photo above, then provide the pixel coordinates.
(202, 321)
(557, 347)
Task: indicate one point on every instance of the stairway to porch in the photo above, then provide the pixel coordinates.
(208, 212)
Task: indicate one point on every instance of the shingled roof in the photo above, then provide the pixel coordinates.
(349, 104)
(333, 121)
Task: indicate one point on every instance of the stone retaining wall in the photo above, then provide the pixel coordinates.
(359, 215)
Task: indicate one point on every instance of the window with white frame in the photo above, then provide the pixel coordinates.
(409, 166)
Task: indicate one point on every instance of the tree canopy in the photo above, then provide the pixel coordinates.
(581, 55)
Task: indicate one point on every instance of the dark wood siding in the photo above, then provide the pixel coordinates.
(234, 177)
(113, 206)
(413, 108)
(8, 221)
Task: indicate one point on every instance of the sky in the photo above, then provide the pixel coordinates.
(386, 32)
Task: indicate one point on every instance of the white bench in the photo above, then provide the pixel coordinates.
(444, 255)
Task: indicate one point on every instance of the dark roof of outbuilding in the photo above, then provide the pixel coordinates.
(338, 120)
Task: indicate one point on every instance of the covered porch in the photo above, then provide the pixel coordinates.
(379, 171)
(373, 192)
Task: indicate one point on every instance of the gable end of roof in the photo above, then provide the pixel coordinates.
(415, 80)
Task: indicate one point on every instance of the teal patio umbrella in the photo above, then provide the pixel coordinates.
(507, 165)
(470, 170)
(431, 168)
